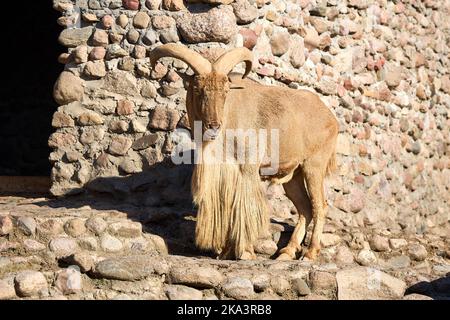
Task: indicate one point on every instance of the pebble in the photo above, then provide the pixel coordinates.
(301, 287)
(96, 225)
(417, 252)
(63, 246)
(100, 38)
(50, 227)
(344, 255)
(6, 225)
(261, 281)
(279, 43)
(173, 5)
(399, 262)
(27, 225)
(179, 292)
(69, 281)
(196, 276)
(131, 268)
(279, 284)
(131, 4)
(88, 243)
(83, 260)
(322, 280)
(75, 227)
(363, 283)
(96, 70)
(33, 245)
(110, 244)
(141, 20)
(122, 20)
(238, 288)
(217, 24)
(397, 243)
(329, 239)
(379, 243)
(245, 11)
(80, 54)
(266, 247)
(30, 283)
(107, 21)
(7, 290)
(366, 257)
(74, 37)
(126, 229)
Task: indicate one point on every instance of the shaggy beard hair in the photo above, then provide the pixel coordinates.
(232, 209)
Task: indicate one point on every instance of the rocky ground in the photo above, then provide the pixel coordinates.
(88, 247)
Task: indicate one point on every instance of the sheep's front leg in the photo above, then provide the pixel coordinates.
(248, 254)
(228, 254)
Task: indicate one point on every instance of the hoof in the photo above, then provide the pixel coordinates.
(312, 254)
(287, 253)
(248, 256)
(284, 257)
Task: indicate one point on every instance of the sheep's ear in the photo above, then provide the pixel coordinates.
(187, 79)
(235, 81)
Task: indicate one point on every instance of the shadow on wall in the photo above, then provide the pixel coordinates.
(438, 289)
(158, 198)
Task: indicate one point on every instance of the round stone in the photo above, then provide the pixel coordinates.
(122, 20)
(418, 252)
(27, 225)
(217, 24)
(68, 88)
(6, 225)
(75, 227)
(379, 243)
(68, 281)
(96, 225)
(366, 257)
(301, 287)
(33, 245)
(88, 243)
(30, 283)
(80, 54)
(107, 21)
(97, 53)
(131, 4)
(245, 11)
(238, 288)
(344, 255)
(126, 229)
(133, 36)
(63, 246)
(141, 20)
(100, 38)
(279, 43)
(110, 244)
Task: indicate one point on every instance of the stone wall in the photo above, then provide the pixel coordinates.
(381, 66)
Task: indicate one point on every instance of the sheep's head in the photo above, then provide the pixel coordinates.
(210, 84)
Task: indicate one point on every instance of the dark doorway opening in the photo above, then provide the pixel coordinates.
(29, 66)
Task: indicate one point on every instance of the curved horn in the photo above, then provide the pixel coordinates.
(199, 64)
(229, 59)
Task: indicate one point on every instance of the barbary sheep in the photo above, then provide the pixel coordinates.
(232, 208)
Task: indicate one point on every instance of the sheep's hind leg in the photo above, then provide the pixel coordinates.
(296, 192)
(314, 176)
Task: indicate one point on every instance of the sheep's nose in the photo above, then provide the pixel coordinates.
(214, 126)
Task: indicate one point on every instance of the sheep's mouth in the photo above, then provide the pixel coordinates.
(210, 134)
